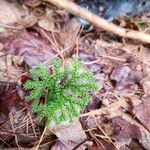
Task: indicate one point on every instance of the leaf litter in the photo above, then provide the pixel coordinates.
(117, 116)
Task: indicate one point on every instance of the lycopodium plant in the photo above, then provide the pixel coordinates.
(65, 91)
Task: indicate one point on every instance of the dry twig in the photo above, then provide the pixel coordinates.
(100, 22)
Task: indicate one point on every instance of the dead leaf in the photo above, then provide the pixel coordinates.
(135, 145)
(127, 88)
(32, 3)
(10, 69)
(146, 86)
(7, 98)
(95, 103)
(33, 49)
(68, 37)
(66, 146)
(10, 13)
(69, 132)
(142, 112)
(127, 130)
(120, 74)
(86, 56)
(13, 18)
(135, 76)
(47, 21)
(95, 68)
(103, 145)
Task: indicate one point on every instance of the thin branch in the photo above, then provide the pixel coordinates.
(100, 22)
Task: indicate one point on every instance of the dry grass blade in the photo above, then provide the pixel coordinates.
(41, 138)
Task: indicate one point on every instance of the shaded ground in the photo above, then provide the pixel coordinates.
(39, 33)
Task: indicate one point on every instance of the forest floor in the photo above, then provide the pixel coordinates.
(117, 116)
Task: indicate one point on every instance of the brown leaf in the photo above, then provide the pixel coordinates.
(103, 145)
(120, 74)
(32, 3)
(7, 97)
(68, 36)
(135, 76)
(13, 18)
(10, 12)
(10, 69)
(135, 145)
(146, 86)
(95, 68)
(86, 56)
(142, 112)
(47, 21)
(33, 49)
(127, 88)
(69, 132)
(127, 130)
(95, 103)
(66, 146)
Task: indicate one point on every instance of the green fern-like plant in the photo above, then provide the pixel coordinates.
(65, 91)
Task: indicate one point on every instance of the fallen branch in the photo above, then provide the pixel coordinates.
(100, 22)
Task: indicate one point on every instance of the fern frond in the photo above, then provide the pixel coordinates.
(65, 91)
